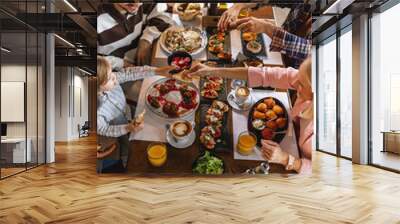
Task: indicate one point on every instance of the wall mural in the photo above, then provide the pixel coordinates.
(204, 89)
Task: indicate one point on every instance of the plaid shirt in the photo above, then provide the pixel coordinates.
(112, 116)
(292, 46)
(297, 19)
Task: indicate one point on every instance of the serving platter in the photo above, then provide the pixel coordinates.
(172, 99)
(276, 132)
(212, 34)
(177, 42)
(223, 139)
(222, 93)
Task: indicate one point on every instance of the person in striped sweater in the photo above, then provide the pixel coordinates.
(126, 32)
(113, 117)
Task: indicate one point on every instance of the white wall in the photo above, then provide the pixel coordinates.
(71, 94)
(33, 127)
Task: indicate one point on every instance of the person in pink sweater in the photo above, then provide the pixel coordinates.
(302, 111)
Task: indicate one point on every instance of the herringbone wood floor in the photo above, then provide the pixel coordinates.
(70, 191)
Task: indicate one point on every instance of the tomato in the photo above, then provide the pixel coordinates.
(267, 134)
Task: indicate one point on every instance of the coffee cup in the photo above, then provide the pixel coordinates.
(242, 93)
(181, 129)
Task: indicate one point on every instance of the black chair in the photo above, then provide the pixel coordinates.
(84, 130)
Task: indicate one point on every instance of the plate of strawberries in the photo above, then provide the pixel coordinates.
(268, 120)
(171, 98)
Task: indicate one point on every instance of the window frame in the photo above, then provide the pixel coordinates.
(381, 9)
(334, 37)
(31, 30)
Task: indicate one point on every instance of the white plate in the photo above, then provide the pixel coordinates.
(246, 105)
(159, 111)
(202, 34)
(181, 144)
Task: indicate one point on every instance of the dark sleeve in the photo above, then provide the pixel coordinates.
(156, 22)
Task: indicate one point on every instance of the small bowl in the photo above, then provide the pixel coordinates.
(194, 164)
(181, 54)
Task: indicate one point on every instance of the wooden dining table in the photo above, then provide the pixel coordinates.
(180, 161)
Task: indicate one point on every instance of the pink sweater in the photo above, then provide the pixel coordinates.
(287, 78)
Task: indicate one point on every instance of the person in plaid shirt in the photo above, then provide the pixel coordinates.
(293, 40)
(292, 46)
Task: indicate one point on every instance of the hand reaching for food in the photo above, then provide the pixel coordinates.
(272, 152)
(228, 17)
(199, 70)
(252, 24)
(164, 71)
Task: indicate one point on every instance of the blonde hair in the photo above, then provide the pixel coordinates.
(102, 71)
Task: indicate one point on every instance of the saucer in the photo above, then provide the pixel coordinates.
(181, 144)
(246, 105)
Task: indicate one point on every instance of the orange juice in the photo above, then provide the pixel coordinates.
(244, 13)
(246, 143)
(157, 154)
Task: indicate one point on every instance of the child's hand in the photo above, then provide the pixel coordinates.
(164, 71)
(134, 127)
(199, 70)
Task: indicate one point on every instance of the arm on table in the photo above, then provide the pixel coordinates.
(230, 73)
(105, 129)
(134, 73)
(156, 23)
(289, 44)
(117, 63)
(282, 78)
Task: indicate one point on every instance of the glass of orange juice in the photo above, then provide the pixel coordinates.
(244, 13)
(246, 143)
(157, 154)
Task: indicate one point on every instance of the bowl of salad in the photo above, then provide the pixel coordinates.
(208, 164)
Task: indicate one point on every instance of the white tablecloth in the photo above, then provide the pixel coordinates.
(154, 126)
(288, 144)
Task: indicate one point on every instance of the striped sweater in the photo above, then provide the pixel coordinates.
(112, 116)
(119, 34)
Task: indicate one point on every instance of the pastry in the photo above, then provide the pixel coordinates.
(281, 122)
(270, 103)
(259, 115)
(270, 114)
(249, 36)
(278, 110)
(262, 107)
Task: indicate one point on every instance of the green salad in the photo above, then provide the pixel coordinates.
(208, 164)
